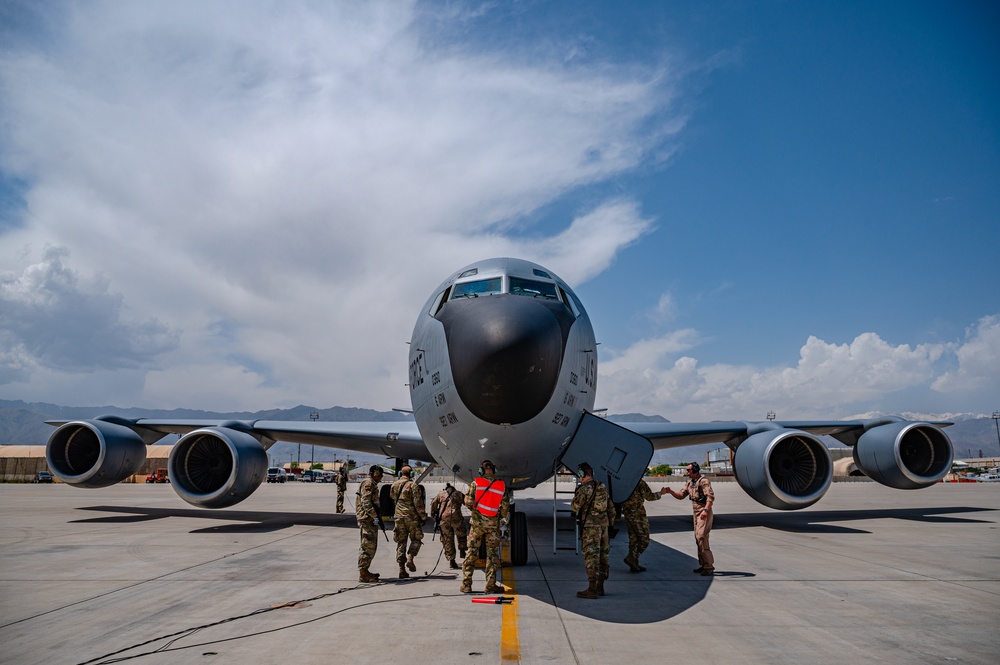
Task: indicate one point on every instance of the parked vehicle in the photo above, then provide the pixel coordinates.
(158, 476)
(312, 476)
(275, 475)
(988, 478)
(42, 477)
(289, 476)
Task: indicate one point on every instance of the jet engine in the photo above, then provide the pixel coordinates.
(904, 455)
(94, 453)
(783, 468)
(216, 467)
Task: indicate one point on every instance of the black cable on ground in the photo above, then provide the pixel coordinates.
(101, 660)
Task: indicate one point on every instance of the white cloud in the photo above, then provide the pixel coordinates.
(50, 318)
(254, 205)
(664, 310)
(650, 377)
(978, 361)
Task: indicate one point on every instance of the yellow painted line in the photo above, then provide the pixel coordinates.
(510, 645)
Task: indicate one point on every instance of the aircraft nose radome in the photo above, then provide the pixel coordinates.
(505, 352)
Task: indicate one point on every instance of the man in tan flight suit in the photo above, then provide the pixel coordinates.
(699, 489)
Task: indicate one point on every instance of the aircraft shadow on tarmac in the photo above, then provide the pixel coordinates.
(237, 521)
(666, 589)
(818, 521)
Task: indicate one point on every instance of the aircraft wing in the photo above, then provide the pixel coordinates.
(665, 435)
(216, 463)
(784, 465)
(392, 439)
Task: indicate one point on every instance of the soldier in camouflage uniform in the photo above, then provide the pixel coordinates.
(447, 510)
(702, 497)
(341, 488)
(634, 512)
(484, 525)
(594, 509)
(410, 517)
(368, 512)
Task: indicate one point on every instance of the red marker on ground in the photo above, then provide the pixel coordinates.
(500, 600)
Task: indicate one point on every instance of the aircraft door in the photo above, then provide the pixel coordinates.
(617, 454)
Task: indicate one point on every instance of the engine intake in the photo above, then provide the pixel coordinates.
(216, 467)
(784, 469)
(94, 453)
(904, 455)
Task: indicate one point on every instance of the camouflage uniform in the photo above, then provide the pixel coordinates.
(594, 508)
(483, 528)
(700, 491)
(341, 490)
(368, 516)
(634, 512)
(447, 505)
(410, 516)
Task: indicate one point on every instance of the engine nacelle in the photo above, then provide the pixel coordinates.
(904, 455)
(784, 468)
(216, 467)
(94, 453)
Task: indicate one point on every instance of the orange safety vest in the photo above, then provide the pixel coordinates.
(489, 494)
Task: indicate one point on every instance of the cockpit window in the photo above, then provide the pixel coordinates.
(530, 287)
(482, 287)
(569, 301)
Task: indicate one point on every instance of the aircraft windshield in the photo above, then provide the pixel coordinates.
(483, 287)
(530, 287)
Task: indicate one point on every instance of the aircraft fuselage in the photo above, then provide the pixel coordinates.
(503, 364)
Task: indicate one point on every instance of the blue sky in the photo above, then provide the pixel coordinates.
(781, 206)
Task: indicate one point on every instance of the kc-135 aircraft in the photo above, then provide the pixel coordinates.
(503, 366)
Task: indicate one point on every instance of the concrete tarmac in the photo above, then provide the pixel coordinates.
(131, 572)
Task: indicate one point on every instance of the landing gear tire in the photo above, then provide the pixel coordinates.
(518, 539)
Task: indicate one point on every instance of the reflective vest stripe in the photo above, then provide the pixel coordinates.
(489, 494)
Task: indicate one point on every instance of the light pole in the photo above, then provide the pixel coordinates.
(996, 421)
(313, 416)
(771, 416)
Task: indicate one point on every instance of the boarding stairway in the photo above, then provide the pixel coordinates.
(563, 520)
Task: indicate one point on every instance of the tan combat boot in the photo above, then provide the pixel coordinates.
(453, 565)
(365, 576)
(590, 591)
(402, 573)
(491, 587)
(409, 564)
(466, 587)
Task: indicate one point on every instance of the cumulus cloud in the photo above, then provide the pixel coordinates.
(652, 377)
(978, 360)
(51, 318)
(259, 204)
